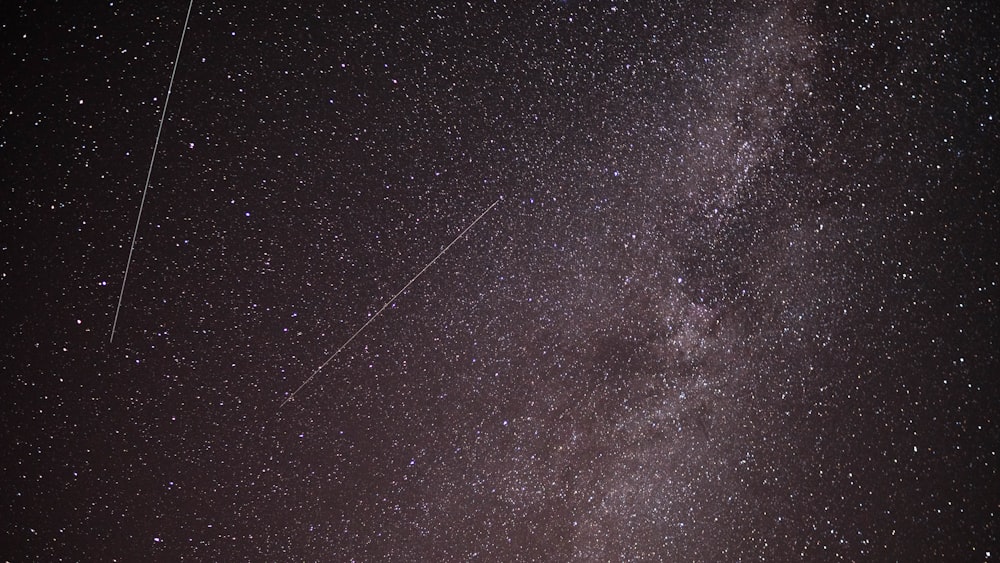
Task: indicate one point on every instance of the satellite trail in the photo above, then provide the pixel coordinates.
(149, 173)
(291, 397)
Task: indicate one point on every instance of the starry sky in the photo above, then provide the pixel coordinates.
(737, 299)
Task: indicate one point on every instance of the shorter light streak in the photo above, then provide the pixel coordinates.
(291, 397)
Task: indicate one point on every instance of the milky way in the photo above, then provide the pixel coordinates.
(737, 300)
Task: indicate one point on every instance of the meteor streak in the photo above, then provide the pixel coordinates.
(291, 397)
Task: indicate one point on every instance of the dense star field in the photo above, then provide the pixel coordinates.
(737, 299)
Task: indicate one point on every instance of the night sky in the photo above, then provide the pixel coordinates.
(738, 299)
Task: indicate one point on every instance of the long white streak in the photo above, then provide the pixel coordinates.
(149, 173)
(386, 305)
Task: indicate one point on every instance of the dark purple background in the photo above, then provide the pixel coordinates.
(739, 300)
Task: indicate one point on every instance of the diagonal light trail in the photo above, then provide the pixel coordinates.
(149, 173)
(291, 397)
